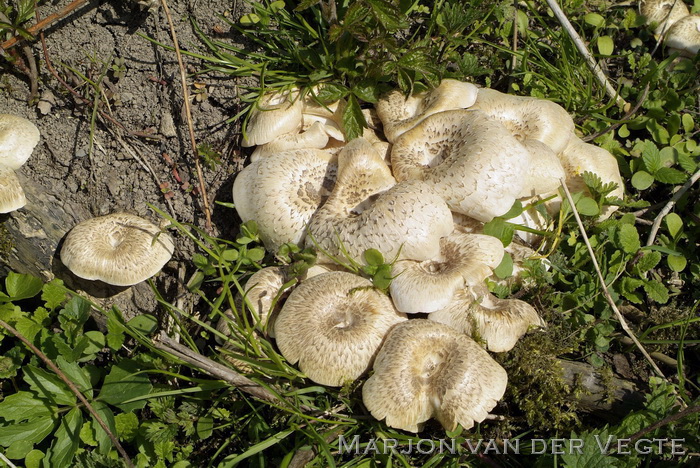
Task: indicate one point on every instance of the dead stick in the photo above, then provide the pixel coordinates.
(669, 419)
(188, 113)
(73, 389)
(667, 208)
(43, 23)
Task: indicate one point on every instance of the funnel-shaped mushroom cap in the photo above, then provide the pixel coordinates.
(282, 191)
(663, 13)
(474, 163)
(580, 157)
(528, 117)
(545, 171)
(18, 137)
(498, 322)
(276, 114)
(11, 193)
(315, 137)
(119, 249)
(684, 36)
(426, 369)
(333, 325)
(366, 210)
(428, 286)
(400, 114)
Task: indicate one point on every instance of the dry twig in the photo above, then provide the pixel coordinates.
(667, 208)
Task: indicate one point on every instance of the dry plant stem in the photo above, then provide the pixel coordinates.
(604, 287)
(674, 417)
(73, 389)
(628, 115)
(43, 23)
(188, 113)
(583, 50)
(667, 208)
(8, 462)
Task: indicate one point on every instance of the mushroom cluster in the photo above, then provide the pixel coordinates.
(674, 24)
(18, 137)
(418, 186)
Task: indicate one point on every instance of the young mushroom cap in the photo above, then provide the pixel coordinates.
(498, 322)
(400, 114)
(11, 194)
(276, 114)
(332, 325)
(428, 286)
(474, 163)
(282, 192)
(684, 36)
(366, 210)
(18, 137)
(315, 137)
(425, 369)
(120, 249)
(663, 13)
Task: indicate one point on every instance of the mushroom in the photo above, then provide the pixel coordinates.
(366, 210)
(464, 259)
(474, 163)
(120, 249)
(545, 171)
(684, 36)
(275, 114)
(282, 192)
(425, 369)
(400, 114)
(314, 137)
(498, 322)
(11, 194)
(663, 13)
(18, 137)
(332, 325)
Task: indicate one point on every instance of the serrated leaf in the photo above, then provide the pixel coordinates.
(332, 92)
(592, 454)
(20, 286)
(66, 439)
(388, 15)
(669, 175)
(87, 434)
(24, 405)
(28, 327)
(656, 291)
(606, 46)
(353, 119)
(121, 385)
(677, 262)
(367, 90)
(651, 157)
(648, 261)
(48, 386)
(33, 431)
(642, 180)
(53, 293)
(127, 426)
(628, 238)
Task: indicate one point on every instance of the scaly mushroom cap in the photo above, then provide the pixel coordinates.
(400, 114)
(276, 114)
(366, 210)
(315, 137)
(663, 13)
(332, 325)
(11, 194)
(474, 163)
(579, 157)
(684, 36)
(119, 249)
(282, 191)
(18, 137)
(428, 286)
(498, 322)
(426, 369)
(528, 117)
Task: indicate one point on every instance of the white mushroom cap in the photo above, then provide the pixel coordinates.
(119, 249)
(315, 137)
(282, 191)
(11, 194)
(332, 325)
(18, 137)
(498, 322)
(684, 36)
(274, 115)
(579, 157)
(663, 13)
(426, 369)
(366, 210)
(545, 171)
(528, 117)
(474, 163)
(428, 286)
(400, 114)
(261, 290)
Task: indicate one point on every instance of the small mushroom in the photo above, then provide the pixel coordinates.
(315, 137)
(274, 115)
(427, 286)
(663, 13)
(426, 369)
(18, 137)
(498, 322)
(332, 325)
(684, 36)
(120, 249)
(11, 194)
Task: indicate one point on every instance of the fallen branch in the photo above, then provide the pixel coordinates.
(667, 420)
(667, 208)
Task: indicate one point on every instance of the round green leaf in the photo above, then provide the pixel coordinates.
(688, 123)
(677, 262)
(373, 257)
(594, 19)
(145, 323)
(606, 46)
(674, 224)
(505, 268)
(587, 207)
(642, 180)
(33, 459)
(249, 19)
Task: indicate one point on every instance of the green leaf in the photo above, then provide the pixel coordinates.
(33, 459)
(505, 268)
(674, 224)
(669, 175)
(656, 291)
(127, 426)
(101, 437)
(33, 431)
(373, 257)
(594, 19)
(87, 434)
(387, 14)
(591, 455)
(382, 277)
(353, 119)
(19, 449)
(332, 92)
(54, 293)
(688, 123)
(122, 385)
(205, 427)
(66, 439)
(648, 261)
(628, 238)
(515, 210)
(677, 262)
(651, 157)
(76, 374)
(587, 206)
(367, 90)
(500, 229)
(28, 327)
(642, 180)
(145, 324)
(24, 405)
(48, 385)
(606, 46)
(19, 286)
